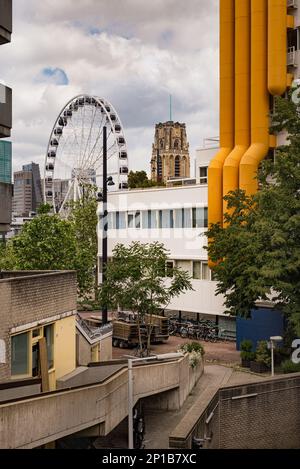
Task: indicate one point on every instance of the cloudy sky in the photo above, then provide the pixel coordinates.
(134, 53)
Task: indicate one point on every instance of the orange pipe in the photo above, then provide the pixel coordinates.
(242, 97)
(215, 170)
(259, 98)
(277, 46)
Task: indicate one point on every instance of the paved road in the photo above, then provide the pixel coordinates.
(221, 352)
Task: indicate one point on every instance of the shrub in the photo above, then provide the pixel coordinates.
(250, 356)
(247, 345)
(246, 350)
(195, 351)
(263, 354)
(290, 367)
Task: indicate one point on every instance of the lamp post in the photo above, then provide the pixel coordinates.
(166, 356)
(106, 182)
(273, 341)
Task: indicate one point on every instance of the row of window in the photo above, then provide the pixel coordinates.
(198, 270)
(158, 219)
(25, 351)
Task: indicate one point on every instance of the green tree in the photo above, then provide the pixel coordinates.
(139, 180)
(135, 282)
(83, 216)
(45, 243)
(257, 253)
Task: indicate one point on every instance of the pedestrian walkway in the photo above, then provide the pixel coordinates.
(159, 424)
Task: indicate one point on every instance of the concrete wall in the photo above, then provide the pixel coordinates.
(37, 421)
(5, 206)
(263, 415)
(84, 350)
(17, 390)
(29, 300)
(105, 352)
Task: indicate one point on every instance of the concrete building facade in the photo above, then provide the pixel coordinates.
(5, 126)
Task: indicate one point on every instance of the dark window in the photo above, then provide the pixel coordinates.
(177, 166)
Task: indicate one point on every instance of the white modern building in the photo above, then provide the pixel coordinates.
(176, 217)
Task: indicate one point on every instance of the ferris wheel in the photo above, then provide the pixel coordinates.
(74, 157)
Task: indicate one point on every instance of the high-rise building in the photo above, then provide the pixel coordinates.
(259, 59)
(27, 190)
(5, 126)
(170, 152)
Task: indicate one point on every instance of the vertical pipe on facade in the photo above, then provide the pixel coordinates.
(215, 170)
(259, 98)
(242, 97)
(277, 46)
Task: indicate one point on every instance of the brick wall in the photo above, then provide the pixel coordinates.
(264, 415)
(25, 299)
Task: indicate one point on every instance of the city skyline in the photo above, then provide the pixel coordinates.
(110, 48)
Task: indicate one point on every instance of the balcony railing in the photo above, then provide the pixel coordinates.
(292, 4)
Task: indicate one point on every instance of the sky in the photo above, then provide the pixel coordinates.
(134, 53)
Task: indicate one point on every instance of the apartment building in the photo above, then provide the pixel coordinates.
(27, 190)
(178, 218)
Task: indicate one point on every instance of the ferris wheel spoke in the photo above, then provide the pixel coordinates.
(100, 132)
(89, 138)
(75, 135)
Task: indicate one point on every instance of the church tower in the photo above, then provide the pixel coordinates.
(170, 152)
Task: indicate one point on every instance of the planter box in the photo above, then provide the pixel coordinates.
(258, 367)
(246, 363)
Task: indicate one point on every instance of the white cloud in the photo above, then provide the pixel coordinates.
(133, 53)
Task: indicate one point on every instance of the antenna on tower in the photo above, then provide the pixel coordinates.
(171, 119)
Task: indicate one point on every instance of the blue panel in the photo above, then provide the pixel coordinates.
(264, 323)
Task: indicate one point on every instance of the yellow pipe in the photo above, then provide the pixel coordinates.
(242, 97)
(215, 170)
(277, 46)
(259, 98)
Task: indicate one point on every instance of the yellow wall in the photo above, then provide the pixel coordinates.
(64, 346)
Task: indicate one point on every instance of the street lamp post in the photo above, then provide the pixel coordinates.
(105, 221)
(166, 356)
(273, 341)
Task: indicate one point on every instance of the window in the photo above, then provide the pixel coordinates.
(120, 221)
(203, 175)
(49, 335)
(179, 217)
(184, 265)
(201, 271)
(134, 219)
(152, 219)
(187, 218)
(200, 217)
(169, 269)
(197, 270)
(176, 144)
(205, 271)
(177, 167)
(20, 354)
